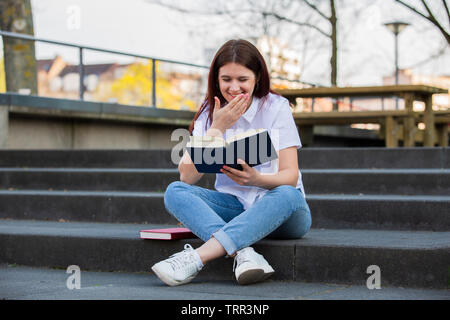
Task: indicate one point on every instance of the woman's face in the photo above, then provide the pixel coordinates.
(235, 79)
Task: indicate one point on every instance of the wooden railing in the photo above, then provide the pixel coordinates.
(395, 124)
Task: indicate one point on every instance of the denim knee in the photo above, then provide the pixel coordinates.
(304, 227)
(304, 219)
(291, 195)
(298, 224)
(173, 188)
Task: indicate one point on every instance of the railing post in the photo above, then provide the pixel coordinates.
(409, 123)
(428, 119)
(81, 73)
(390, 134)
(4, 125)
(153, 83)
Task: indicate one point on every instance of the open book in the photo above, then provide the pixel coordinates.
(209, 154)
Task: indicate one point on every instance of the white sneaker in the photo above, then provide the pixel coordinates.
(179, 268)
(251, 267)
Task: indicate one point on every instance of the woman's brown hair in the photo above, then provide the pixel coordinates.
(241, 52)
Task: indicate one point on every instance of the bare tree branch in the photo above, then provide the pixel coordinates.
(245, 12)
(434, 56)
(217, 12)
(171, 7)
(302, 24)
(316, 9)
(446, 9)
(430, 17)
(412, 9)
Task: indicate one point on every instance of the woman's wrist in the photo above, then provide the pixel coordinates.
(273, 180)
(213, 131)
(261, 181)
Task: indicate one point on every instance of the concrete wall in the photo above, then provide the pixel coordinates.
(41, 133)
(29, 122)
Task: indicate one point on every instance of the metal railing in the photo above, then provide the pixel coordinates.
(81, 49)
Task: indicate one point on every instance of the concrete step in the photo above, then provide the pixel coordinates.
(90, 206)
(316, 181)
(370, 158)
(383, 212)
(40, 283)
(405, 258)
(380, 212)
(309, 158)
(86, 158)
(91, 179)
(377, 181)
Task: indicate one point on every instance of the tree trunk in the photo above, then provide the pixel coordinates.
(19, 55)
(334, 50)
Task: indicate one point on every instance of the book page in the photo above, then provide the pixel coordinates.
(245, 134)
(205, 141)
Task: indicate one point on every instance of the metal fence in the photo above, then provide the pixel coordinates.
(83, 48)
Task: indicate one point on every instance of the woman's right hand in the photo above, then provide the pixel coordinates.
(225, 117)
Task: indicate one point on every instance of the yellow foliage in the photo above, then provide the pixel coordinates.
(2, 76)
(279, 86)
(135, 88)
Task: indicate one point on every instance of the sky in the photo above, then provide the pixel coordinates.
(136, 26)
(132, 26)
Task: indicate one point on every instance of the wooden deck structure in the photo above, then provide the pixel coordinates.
(391, 121)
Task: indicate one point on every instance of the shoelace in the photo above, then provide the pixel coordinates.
(183, 259)
(240, 257)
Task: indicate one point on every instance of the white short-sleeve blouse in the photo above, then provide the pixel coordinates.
(273, 114)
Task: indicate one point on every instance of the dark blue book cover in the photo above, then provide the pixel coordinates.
(254, 149)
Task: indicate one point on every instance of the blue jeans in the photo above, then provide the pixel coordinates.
(281, 213)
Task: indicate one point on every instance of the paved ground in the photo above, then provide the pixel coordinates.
(24, 283)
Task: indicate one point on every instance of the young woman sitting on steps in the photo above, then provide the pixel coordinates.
(262, 201)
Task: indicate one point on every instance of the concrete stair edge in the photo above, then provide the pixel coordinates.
(409, 258)
(369, 181)
(436, 157)
(329, 211)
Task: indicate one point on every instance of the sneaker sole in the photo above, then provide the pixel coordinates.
(253, 275)
(167, 280)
